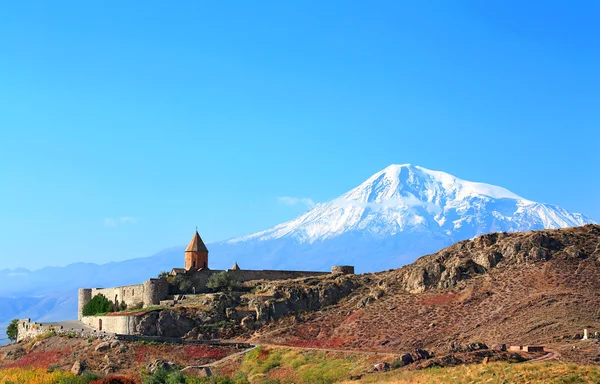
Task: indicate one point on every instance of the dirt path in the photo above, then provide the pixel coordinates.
(550, 355)
(230, 357)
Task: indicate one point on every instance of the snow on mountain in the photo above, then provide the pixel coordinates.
(417, 209)
(412, 198)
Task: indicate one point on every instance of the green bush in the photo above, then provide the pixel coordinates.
(222, 282)
(98, 304)
(12, 331)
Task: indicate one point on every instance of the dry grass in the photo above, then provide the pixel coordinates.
(492, 373)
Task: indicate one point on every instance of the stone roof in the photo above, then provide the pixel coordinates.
(196, 245)
(235, 267)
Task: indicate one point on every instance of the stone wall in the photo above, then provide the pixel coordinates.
(139, 295)
(28, 329)
(155, 290)
(84, 296)
(198, 279)
(132, 295)
(111, 324)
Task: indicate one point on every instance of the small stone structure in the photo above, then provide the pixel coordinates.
(526, 348)
(343, 269)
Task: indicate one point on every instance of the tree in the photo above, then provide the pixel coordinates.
(222, 282)
(98, 304)
(164, 275)
(12, 331)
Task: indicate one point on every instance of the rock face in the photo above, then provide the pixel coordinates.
(166, 323)
(467, 259)
(302, 295)
(159, 365)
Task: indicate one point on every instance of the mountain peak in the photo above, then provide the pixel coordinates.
(406, 198)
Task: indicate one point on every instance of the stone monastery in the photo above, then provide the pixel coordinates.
(157, 291)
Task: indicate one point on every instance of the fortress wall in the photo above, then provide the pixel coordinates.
(83, 297)
(124, 325)
(248, 275)
(132, 295)
(200, 278)
(155, 290)
(28, 329)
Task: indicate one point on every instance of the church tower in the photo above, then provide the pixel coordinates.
(196, 254)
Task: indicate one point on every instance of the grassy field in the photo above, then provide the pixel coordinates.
(280, 365)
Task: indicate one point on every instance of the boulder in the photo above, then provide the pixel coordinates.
(122, 349)
(104, 346)
(422, 354)
(78, 367)
(248, 322)
(499, 347)
(159, 365)
(380, 367)
(477, 346)
(115, 343)
(197, 371)
(407, 359)
(450, 360)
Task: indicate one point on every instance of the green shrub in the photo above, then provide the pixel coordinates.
(222, 282)
(397, 363)
(122, 306)
(98, 304)
(12, 331)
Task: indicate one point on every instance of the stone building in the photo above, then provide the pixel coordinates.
(196, 254)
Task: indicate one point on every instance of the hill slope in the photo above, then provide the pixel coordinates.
(521, 288)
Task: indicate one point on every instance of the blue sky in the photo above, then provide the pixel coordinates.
(123, 125)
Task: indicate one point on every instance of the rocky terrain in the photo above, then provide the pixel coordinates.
(459, 305)
(518, 288)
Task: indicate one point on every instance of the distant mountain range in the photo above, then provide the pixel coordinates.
(395, 216)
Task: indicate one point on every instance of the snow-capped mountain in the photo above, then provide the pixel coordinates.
(396, 215)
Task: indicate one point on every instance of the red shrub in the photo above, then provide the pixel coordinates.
(42, 359)
(141, 353)
(203, 352)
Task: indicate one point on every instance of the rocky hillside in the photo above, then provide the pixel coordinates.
(519, 288)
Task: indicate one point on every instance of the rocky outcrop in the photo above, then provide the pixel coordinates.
(301, 295)
(165, 323)
(78, 367)
(470, 258)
